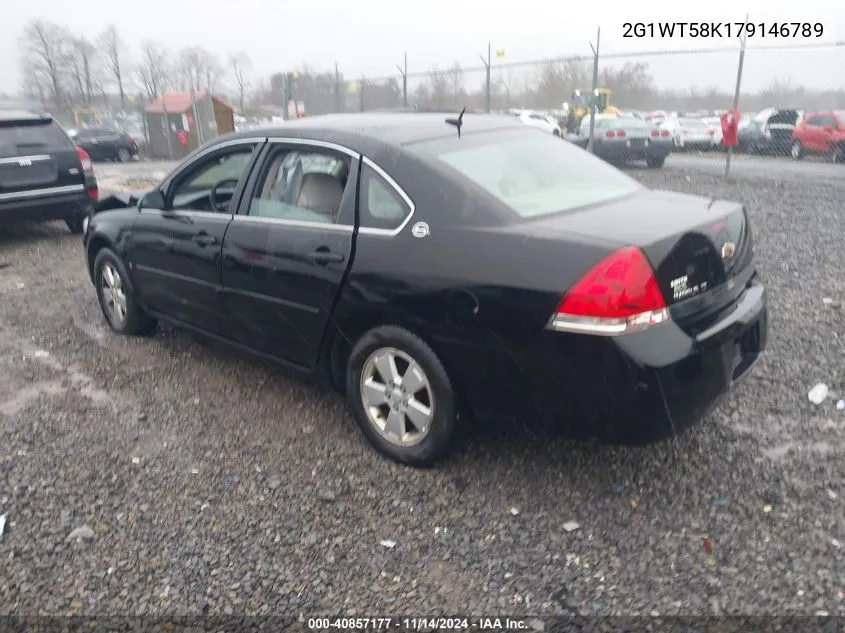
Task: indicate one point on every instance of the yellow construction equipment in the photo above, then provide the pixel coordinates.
(582, 103)
(86, 117)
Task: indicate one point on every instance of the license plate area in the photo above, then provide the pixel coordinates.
(744, 351)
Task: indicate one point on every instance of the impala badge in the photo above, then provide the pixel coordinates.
(728, 250)
(420, 229)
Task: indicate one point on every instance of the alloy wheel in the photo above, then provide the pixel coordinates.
(796, 151)
(114, 295)
(397, 396)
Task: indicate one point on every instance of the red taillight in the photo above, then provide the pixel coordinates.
(712, 132)
(94, 193)
(618, 295)
(610, 134)
(664, 133)
(655, 133)
(85, 160)
(621, 134)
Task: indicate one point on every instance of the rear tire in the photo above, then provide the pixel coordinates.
(114, 294)
(655, 162)
(797, 151)
(415, 383)
(838, 155)
(124, 155)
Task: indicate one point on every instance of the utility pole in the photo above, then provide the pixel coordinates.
(361, 93)
(403, 70)
(337, 102)
(595, 88)
(737, 89)
(487, 61)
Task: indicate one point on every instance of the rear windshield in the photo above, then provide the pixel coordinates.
(21, 138)
(534, 173)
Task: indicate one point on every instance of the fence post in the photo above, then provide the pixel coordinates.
(736, 90)
(403, 70)
(361, 93)
(337, 102)
(595, 88)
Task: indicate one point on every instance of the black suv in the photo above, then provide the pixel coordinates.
(43, 175)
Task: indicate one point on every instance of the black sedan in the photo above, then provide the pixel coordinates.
(430, 275)
(106, 144)
(620, 139)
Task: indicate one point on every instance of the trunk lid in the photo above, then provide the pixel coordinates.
(700, 248)
(35, 153)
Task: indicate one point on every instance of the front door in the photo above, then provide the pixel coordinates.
(174, 252)
(288, 248)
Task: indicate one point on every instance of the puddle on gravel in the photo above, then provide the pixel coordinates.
(25, 395)
(785, 450)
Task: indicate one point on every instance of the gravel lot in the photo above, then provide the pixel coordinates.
(211, 483)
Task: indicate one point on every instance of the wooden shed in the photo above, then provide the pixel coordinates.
(179, 122)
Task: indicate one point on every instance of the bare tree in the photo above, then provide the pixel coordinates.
(456, 82)
(241, 64)
(80, 62)
(111, 49)
(198, 69)
(45, 46)
(153, 70)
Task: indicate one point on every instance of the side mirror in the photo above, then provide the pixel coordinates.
(152, 200)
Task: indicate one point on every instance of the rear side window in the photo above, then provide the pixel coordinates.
(27, 137)
(531, 172)
(381, 206)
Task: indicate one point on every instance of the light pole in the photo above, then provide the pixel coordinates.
(403, 70)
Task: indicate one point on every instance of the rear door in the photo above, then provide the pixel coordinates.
(287, 251)
(37, 158)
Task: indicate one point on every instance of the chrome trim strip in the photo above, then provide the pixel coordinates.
(18, 159)
(321, 144)
(182, 167)
(346, 228)
(402, 194)
(187, 213)
(35, 193)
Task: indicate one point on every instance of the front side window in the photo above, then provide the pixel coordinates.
(305, 186)
(211, 185)
(533, 174)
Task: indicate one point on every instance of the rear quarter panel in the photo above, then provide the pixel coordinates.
(478, 291)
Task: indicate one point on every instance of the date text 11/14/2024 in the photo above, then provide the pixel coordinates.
(419, 624)
(717, 30)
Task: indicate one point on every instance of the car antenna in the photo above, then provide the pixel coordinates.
(458, 122)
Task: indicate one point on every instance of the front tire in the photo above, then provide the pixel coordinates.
(114, 294)
(838, 155)
(124, 155)
(402, 397)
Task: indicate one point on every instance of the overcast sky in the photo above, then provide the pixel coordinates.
(369, 37)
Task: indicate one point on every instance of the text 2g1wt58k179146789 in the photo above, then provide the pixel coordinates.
(769, 30)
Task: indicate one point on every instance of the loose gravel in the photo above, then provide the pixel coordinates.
(169, 475)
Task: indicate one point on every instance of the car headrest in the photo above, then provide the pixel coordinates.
(321, 193)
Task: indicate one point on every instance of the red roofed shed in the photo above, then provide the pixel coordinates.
(179, 122)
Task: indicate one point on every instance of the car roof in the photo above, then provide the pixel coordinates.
(22, 115)
(387, 128)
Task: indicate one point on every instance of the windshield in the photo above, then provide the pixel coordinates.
(532, 172)
(693, 123)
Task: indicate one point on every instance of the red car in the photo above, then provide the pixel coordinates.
(820, 133)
